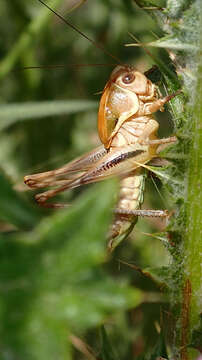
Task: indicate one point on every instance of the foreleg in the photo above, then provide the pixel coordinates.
(159, 103)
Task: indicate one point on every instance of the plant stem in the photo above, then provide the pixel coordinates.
(192, 246)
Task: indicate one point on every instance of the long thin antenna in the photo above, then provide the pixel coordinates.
(99, 46)
(60, 66)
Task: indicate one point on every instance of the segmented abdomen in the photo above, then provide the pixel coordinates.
(131, 198)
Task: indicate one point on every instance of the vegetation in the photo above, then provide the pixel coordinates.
(62, 295)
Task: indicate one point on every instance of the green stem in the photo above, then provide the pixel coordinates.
(192, 248)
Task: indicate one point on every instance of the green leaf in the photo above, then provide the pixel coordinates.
(34, 27)
(52, 279)
(14, 209)
(151, 3)
(170, 42)
(159, 274)
(160, 349)
(12, 113)
(107, 352)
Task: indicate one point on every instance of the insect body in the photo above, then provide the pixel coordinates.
(128, 133)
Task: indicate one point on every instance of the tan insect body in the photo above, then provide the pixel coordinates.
(128, 132)
(129, 142)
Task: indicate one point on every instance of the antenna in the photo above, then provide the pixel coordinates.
(97, 45)
(60, 66)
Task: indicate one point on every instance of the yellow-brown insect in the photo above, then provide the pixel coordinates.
(128, 133)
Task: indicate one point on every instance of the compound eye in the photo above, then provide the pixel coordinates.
(128, 78)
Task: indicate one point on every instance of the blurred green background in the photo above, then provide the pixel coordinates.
(57, 282)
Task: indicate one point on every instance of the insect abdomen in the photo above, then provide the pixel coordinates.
(131, 191)
(131, 198)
